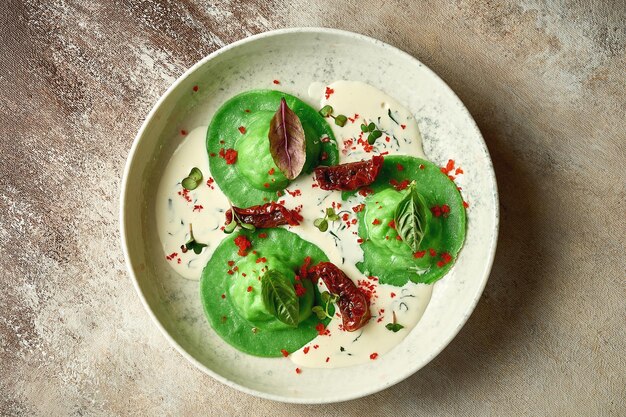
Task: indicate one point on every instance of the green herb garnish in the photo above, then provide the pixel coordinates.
(322, 223)
(374, 133)
(327, 299)
(326, 111)
(340, 120)
(411, 218)
(394, 326)
(236, 221)
(192, 244)
(192, 180)
(280, 297)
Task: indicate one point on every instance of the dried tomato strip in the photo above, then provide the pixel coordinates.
(348, 177)
(265, 216)
(353, 304)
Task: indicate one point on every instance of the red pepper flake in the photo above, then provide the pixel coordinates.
(298, 371)
(400, 167)
(276, 82)
(358, 208)
(223, 296)
(446, 257)
(171, 256)
(294, 193)
(242, 130)
(266, 185)
(403, 127)
(212, 155)
(422, 166)
(230, 272)
(321, 330)
(436, 210)
(197, 207)
(365, 191)
(432, 252)
(210, 182)
(261, 260)
(345, 216)
(271, 171)
(392, 295)
(327, 359)
(398, 237)
(262, 235)
(419, 254)
(387, 139)
(316, 346)
(284, 352)
(244, 274)
(306, 349)
(231, 263)
(329, 91)
(392, 224)
(445, 209)
(465, 204)
(458, 171)
(300, 290)
(399, 186)
(243, 244)
(195, 88)
(373, 356)
(229, 155)
(247, 110)
(183, 132)
(178, 261)
(359, 241)
(376, 222)
(249, 289)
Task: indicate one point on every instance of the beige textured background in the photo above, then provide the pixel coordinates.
(544, 80)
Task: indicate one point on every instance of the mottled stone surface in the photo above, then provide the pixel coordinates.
(545, 82)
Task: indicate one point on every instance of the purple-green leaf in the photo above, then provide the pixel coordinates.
(287, 141)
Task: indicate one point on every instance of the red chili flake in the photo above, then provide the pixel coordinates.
(242, 130)
(446, 257)
(197, 207)
(392, 295)
(223, 295)
(236, 268)
(271, 171)
(392, 224)
(399, 186)
(365, 191)
(358, 208)
(231, 263)
(403, 127)
(458, 171)
(436, 210)
(229, 155)
(171, 256)
(451, 177)
(345, 216)
(284, 352)
(327, 359)
(230, 272)
(244, 274)
(329, 91)
(387, 139)
(247, 110)
(261, 260)
(249, 289)
(321, 330)
(373, 356)
(398, 237)
(316, 346)
(422, 166)
(400, 167)
(465, 204)
(195, 88)
(300, 290)
(266, 185)
(432, 252)
(212, 154)
(306, 349)
(298, 370)
(262, 235)
(178, 261)
(359, 241)
(210, 182)
(450, 165)
(276, 82)
(376, 221)
(243, 244)
(445, 209)
(183, 132)
(294, 193)
(419, 254)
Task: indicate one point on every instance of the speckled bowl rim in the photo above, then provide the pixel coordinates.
(124, 241)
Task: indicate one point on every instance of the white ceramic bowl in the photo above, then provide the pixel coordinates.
(298, 57)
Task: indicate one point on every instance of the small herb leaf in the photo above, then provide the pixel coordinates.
(319, 312)
(230, 227)
(394, 327)
(326, 111)
(287, 141)
(189, 183)
(196, 174)
(411, 218)
(279, 297)
(371, 127)
(325, 297)
(248, 226)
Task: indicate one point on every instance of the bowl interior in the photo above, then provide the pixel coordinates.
(298, 57)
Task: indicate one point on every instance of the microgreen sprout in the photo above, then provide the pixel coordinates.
(192, 243)
(327, 111)
(373, 132)
(192, 181)
(327, 299)
(236, 221)
(322, 222)
(394, 326)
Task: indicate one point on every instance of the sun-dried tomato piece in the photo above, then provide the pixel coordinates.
(353, 304)
(265, 216)
(348, 177)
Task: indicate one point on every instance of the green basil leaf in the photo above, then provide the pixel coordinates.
(280, 298)
(287, 141)
(411, 218)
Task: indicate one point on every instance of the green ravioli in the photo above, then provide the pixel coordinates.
(240, 317)
(242, 124)
(392, 260)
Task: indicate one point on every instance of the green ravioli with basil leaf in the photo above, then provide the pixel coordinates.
(413, 225)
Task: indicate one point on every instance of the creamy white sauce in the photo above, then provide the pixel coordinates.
(361, 103)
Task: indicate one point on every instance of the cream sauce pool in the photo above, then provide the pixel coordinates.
(204, 207)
